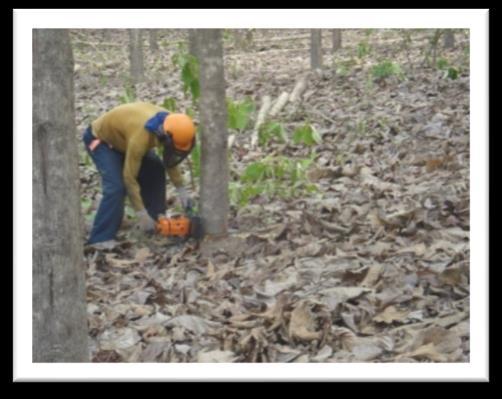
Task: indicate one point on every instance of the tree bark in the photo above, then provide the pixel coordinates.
(59, 307)
(315, 49)
(213, 118)
(137, 70)
(192, 42)
(449, 39)
(153, 40)
(243, 39)
(337, 39)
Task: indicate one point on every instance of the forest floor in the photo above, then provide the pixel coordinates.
(353, 247)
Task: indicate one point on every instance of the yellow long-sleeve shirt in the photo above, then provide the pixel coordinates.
(123, 129)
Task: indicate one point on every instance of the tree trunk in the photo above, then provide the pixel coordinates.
(337, 39)
(137, 70)
(315, 49)
(153, 38)
(59, 307)
(106, 34)
(449, 39)
(213, 118)
(192, 42)
(243, 39)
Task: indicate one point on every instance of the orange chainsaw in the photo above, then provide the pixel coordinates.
(186, 226)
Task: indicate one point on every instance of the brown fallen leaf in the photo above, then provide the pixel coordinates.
(432, 164)
(118, 338)
(118, 263)
(427, 351)
(216, 356)
(107, 356)
(417, 249)
(390, 314)
(372, 276)
(302, 323)
(452, 276)
(196, 324)
(142, 255)
(210, 270)
(275, 313)
(346, 337)
(154, 351)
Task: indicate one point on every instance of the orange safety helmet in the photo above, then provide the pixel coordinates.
(182, 130)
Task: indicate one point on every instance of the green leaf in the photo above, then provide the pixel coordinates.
(269, 131)
(316, 136)
(453, 73)
(363, 49)
(239, 113)
(254, 172)
(189, 71)
(442, 63)
(306, 135)
(385, 69)
(195, 155)
(169, 104)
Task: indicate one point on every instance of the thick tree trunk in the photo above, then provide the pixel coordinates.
(449, 39)
(153, 40)
(315, 49)
(137, 70)
(59, 308)
(213, 118)
(337, 39)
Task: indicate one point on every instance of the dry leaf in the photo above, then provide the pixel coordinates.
(142, 255)
(210, 270)
(302, 323)
(118, 263)
(120, 338)
(336, 295)
(390, 314)
(196, 324)
(216, 356)
(372, 276)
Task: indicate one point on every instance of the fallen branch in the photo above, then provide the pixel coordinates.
(300, 87)
(334, 227)
(279, 104)
(312, 111)
(95, 44)
(231, 141)
(262, 114)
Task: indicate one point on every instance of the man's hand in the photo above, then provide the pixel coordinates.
(145, 222)
(186, 201)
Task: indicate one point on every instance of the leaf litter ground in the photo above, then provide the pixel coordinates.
(372, 267)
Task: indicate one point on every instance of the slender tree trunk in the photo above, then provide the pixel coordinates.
(249, 39)
(315, 49)
(432, 47)
(337, 39)
(239, 40)
(449, 39)
(243, 39)
(59, 307)
(137, 70)
(213, 118)
(106, 34)
(153, 40)
(192, 42)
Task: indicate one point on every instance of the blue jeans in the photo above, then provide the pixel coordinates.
(110, 164)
